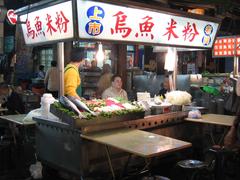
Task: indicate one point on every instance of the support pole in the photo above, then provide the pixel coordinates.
(175, 72)
(60, 51)
(235, 69)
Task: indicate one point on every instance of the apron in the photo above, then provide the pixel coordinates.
(79, 88)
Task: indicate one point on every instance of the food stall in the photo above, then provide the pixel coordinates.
(63, 144)
(224, 47)
(228, 46)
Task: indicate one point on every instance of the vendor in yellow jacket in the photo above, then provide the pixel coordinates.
(72, 79)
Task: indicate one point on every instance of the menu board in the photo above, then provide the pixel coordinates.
(226, 47)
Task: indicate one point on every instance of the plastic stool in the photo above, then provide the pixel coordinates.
(191, 164)
(192, 167)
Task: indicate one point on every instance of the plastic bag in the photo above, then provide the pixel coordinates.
(38, 112)
(36, 170)
(195, 114)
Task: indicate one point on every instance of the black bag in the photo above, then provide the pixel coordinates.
(230, 101)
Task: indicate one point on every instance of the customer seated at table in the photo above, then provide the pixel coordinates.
(11, 100)
(115, 90)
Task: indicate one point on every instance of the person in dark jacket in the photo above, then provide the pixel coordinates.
(164, 87)
(12, 100)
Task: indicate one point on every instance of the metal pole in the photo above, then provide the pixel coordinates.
(234, 66)
(175, 72)
(235, 70)
(110, 162)
(60, 50)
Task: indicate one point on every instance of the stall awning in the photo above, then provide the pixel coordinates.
(49, 22)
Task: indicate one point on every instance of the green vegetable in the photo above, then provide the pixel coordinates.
(89, 116)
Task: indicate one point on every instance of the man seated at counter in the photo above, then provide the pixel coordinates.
(12, 100)
(115, 90)
(164, 87)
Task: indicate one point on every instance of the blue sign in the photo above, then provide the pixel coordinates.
(94, 27)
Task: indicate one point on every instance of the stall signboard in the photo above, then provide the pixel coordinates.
(12, 17)
(54, 23)
(101, 21)
(226, 46)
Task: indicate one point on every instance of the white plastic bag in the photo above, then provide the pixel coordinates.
(33, 113)
(39, 112)
(36, 170)
(195, 114)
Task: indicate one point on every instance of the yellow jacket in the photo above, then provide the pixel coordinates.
(71, 80)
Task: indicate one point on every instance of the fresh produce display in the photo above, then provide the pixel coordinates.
(87, 110)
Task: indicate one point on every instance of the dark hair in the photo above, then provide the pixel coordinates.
(54, 63)
(115, 76)
(41, 67)
(77, 55)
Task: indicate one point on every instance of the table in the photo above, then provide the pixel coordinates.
(17, 119)
(14, 120)
(137, 142)
(20, 128)
(215, 119)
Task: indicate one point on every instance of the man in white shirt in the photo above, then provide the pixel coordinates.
(52, 79)
(115, 90)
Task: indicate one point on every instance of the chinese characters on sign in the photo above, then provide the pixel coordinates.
(94, 27)
(111, 22)
(120, 26)
(190, 31)
(226, 47)
(146, 27)
(170, 30)
(48, 24)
